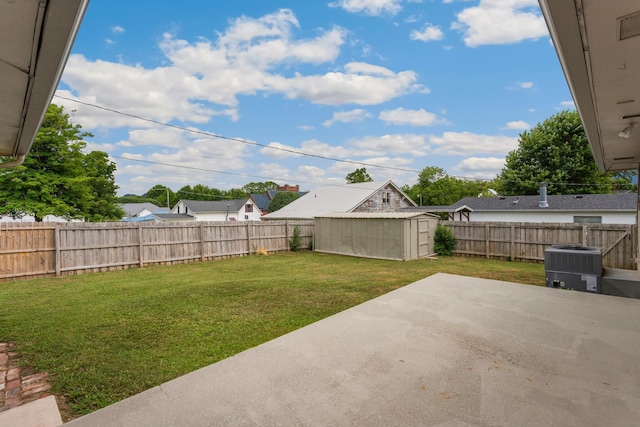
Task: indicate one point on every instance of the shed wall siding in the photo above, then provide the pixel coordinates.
(376, 203)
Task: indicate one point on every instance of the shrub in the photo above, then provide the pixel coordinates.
(444, 242)
(296, 240)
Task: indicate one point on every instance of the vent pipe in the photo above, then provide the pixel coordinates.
(543, 196)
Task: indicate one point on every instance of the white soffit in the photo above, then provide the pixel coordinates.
(36, 38)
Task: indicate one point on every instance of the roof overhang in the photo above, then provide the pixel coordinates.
(37, 38)
(598, 44)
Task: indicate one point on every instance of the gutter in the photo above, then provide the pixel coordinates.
(17, 162)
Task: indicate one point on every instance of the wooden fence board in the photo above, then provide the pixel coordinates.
(527, 241)
(47, 249)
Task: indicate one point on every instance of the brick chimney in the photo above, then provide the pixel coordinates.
(288, 187)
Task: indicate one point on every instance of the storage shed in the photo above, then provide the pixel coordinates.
(384, 235)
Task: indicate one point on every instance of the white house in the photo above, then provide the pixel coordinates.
(224, 210)
(576, 208)
(382, 196)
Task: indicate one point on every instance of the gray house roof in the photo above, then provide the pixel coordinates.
(261, 200)
(217, 206)
(133, 209)
(572, 202)
(332, 198)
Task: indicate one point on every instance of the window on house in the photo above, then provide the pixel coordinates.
(246, 217)
(586, 219)
(386, 197)
(248, 208)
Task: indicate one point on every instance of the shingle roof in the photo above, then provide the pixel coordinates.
(217, 206)
(333, 198)
(573, 202)
(261, 200)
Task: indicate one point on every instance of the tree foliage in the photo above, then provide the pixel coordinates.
(259, 187)
(282, 199)
(556, 152)
(435, 187)
(358, 175)
(57, 178)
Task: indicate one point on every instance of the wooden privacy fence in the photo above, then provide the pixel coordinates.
(527, 241)
(46, 249)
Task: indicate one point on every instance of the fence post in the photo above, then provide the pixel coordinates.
(140, 245)
(486, 239)
(513, 242)
(202, 245)
(249, 237)
(56, 237)
(584, 235)
(286, 235)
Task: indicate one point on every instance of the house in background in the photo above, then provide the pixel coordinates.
(362, 197)
(136, 212)
(574, 208)
(224, 210)
(262, 200)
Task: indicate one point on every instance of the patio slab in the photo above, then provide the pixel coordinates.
(444, 351)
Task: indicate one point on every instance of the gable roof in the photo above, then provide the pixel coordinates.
(261, 200)
(331, 198)
(133, 209)
(566, 202)
(217, 206)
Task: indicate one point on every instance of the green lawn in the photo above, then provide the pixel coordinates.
(106, 336)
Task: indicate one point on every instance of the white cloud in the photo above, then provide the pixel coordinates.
(465, 143)
(306, 127)
(117, 29)
(427, 33)
(338, 88)
(480, 167)
(567, 104)
(203, 79)
(518, 125)
(369, 146)
(356, 115)
(400, 116)
(501, 22)
(526, 85)
(369, 7)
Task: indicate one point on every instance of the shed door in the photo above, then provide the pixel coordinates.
(423, 238)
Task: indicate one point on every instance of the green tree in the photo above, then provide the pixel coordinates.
(556, 152)
(56, 178)
(435, 187)
(358, 175)
(103, 205)
(163, 196)
(282, 199)
(259, 187)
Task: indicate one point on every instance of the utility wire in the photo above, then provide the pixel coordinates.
(227, 138)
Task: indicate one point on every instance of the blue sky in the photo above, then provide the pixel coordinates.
(294, 87)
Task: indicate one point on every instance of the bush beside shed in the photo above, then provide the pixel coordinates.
(384, 235)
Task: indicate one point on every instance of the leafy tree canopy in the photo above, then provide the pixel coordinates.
(259, 187)
(282, 199)
(435, 187)
(57, 178)
(556, 152)
(358, 175)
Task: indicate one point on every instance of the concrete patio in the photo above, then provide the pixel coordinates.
(444, 351)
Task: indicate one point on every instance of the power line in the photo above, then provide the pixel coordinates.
(227, 138)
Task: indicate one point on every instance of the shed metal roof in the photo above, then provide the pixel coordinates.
(330, 199)
(377, 215)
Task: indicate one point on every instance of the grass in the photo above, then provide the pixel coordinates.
(106, 336)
